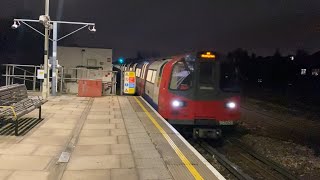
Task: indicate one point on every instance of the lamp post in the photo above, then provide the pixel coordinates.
(48, 24)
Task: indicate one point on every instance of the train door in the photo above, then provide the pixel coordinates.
(206, 89)
(143, 78)
(138, 75)
(134, 66)
(157, 82)
(149, 86)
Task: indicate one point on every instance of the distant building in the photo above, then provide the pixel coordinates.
(72, 57)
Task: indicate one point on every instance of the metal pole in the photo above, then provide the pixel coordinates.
(115, 83)
(54, 59)
(45, 89)
(24, 77)
(57, 79)
(12, 74)
(121, 82)
(9, 75)
(6, 75)
(34, 78)
(61, 79)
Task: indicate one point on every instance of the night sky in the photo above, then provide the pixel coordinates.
(170, 27)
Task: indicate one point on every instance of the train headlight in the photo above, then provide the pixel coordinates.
(231, 105)
(177, 103)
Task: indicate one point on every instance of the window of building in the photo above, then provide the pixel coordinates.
(91, 62)
(303, 71)
(315, 72)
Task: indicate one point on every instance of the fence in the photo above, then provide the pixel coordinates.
(22, 74)
(67, 78)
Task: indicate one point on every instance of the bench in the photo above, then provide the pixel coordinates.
(15, 103)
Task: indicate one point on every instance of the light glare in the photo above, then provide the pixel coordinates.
(231, 105)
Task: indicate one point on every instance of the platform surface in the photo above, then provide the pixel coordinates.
(110, 137)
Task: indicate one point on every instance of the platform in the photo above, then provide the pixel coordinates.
(113, 137)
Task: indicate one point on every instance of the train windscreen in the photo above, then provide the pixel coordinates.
(206, 76)
(181, 78)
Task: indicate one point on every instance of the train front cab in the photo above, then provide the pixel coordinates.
(200, 92)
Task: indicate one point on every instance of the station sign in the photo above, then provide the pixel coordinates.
(208, 55)
(129, 82)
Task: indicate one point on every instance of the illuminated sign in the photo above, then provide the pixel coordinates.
(129, 82)
(208, 55)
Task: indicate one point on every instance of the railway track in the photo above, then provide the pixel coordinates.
(300, 131)
(283, 121)
(244, 163)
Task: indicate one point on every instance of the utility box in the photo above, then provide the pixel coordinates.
(89, 88)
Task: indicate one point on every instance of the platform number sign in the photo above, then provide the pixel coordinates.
(129, 82)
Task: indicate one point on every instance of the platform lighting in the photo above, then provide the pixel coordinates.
(92, 29)
(15, 24)
(51, 25)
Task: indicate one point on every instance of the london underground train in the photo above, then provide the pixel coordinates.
(198, 90)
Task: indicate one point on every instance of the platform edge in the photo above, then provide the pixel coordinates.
(202, 159)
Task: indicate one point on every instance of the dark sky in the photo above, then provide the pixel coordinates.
(170, 27)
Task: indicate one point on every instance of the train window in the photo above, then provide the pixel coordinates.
(181, 77)
(154, 75)
(144, 70)
(138, 70)
(206, 76)
(149, 75)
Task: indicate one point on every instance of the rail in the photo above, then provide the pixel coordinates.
(266, 161)
(231, 167)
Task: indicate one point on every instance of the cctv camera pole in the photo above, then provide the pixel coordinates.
(48, 24)
(54, 59)
(45, 89)
(54, 25)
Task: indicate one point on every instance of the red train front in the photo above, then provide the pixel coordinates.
(197, 90)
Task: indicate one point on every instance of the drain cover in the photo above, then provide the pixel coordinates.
(64, 157)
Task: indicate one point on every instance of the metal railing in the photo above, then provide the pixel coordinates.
(27, 74)
(72, 75)
(22, 74)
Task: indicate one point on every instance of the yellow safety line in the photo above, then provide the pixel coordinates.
(183, 158)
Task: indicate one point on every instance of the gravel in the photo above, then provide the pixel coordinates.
(297, 158)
